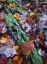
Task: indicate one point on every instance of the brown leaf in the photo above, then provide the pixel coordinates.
(19, 51)
(41, 42)
(44, 60)
(15, 58)
(32, 36)
(20, 60)
(27, 47)
(41, 35)
(14, 62)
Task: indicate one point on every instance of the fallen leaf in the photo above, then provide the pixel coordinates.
(41, 35)
(17, 16)
(3, 40)
(9, 51)
(15, 58)
(27, 47)
(16, 47)
(32, 36)
(20, 60)
(19, 51)
(12, 5)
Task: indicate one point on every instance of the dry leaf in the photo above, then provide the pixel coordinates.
(32, 36)
(41, 35)
(17, 16)
(19, 51)
(16, 47)
(41, 42)
(20, 60)
(31, 15)
(3, 40)
(12, 5)
(27, 47)
(15, 58)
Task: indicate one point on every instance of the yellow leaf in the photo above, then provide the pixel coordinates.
(3, 40)
(16, 47)
(17, 16)
(12, 5)
(31, 14)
